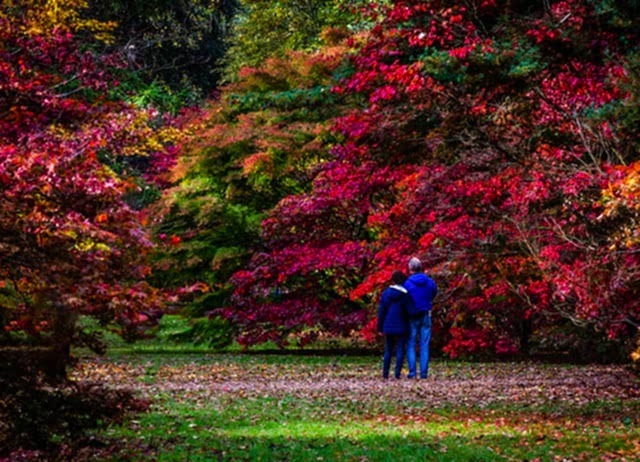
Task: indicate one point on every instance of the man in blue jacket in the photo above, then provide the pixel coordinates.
(422, 290)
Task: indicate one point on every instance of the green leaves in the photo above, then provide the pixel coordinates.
(259, 144)
(271, 29)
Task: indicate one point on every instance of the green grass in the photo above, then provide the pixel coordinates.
(294, 429)
(159, 343)
(162, 343)
(236, 407)
(290, 430)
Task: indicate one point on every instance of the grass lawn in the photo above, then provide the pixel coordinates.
(231, 406)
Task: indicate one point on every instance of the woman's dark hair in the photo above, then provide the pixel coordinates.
(398, 277)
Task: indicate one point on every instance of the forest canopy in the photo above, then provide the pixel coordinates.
(264, 167)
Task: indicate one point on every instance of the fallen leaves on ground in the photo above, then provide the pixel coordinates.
(465, 385)
(529, 407)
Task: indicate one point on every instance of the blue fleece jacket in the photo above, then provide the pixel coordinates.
(422, 290)
(393, 313)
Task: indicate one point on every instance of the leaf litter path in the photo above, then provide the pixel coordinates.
(468, 385)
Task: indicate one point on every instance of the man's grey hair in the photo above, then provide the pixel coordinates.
(415, 265)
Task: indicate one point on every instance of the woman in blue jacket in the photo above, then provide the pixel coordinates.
(393, 322)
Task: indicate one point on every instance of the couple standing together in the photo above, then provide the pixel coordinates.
(404, 316)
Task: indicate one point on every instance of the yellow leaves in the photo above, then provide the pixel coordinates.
(635, 355)
(629, 187)
(60, 131)
(69, 233)
(624, 196)
(103, 247)
(43, 17)
(147, 138)
(79, 243)
(84, 246)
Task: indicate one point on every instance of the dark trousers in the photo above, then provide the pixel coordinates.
(393, 344)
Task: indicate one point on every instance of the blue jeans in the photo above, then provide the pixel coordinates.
(391, 343)
(420, 326)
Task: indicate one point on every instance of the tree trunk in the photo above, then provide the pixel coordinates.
(63, 333)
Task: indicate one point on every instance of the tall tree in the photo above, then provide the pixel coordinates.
(259, 142)
(256, 145)
(69, 242)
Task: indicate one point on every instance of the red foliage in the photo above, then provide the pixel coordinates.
(69, 243)
(484, 147)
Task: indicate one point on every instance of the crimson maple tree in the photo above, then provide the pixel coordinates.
(486, 136)
(70, 244)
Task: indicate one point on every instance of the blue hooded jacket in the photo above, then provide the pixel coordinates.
(422, 290)
(393, 313)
